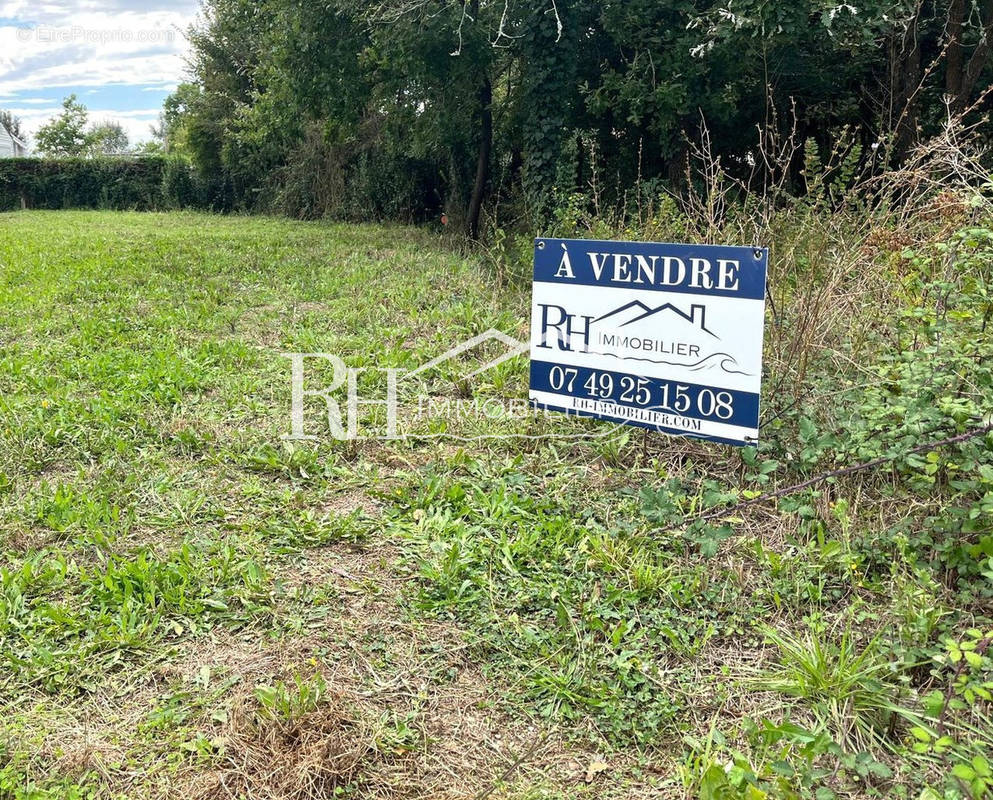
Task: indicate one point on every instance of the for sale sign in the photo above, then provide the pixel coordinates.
(664, 336)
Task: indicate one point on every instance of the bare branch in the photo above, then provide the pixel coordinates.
(558, 21)
(502, 31)
(389, 13)
(465, 13)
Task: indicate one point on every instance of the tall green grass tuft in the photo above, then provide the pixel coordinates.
(848, 688)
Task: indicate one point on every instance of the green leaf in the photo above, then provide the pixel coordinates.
(920, 734)
(981, 766)
(783, 768)
(713, 784)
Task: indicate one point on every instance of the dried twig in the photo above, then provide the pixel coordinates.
(523, 757)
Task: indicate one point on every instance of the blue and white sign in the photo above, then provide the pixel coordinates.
(664, 336)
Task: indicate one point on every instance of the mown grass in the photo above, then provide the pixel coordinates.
(147, 499)
(189, 604)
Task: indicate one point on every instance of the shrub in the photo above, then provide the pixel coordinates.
(356, 181)
(181, 187)
(132, 183)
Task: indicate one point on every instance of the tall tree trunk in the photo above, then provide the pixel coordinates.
(905, 62)
(485, 116)
(954, 61)
(972, 71)
(483, 160)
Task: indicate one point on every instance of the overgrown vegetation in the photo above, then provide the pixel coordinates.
(491, 110)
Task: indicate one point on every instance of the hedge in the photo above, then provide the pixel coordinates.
(126, 183)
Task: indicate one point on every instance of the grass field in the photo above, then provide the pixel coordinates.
(191, 606)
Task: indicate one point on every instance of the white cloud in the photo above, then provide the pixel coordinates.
(89, 44)
(73, 57)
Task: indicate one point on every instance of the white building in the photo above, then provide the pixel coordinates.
(10, 145)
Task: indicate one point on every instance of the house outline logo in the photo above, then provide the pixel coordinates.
(697, 315)
(515, 348)
(695, 319)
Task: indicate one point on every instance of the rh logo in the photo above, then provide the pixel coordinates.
(342, 418)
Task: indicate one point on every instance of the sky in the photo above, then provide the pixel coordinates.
(120, 58)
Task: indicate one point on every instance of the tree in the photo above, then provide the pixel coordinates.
(108, 139)
(150, 147)
(963, 70)
(191, 124)
(12, 123)
(440, 67)
(65, 135)
(417, 105)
